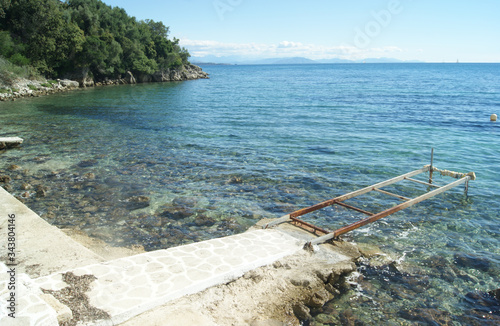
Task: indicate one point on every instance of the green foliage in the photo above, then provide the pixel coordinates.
(19, 59)
(12, 51)
(41, 26)
(46, 84)
(62, 37)
(32, 87)
(4, 5)
(9, 72)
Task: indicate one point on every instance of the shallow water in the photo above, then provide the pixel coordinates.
(166, 164)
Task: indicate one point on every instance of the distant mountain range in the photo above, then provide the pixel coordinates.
(289, 61)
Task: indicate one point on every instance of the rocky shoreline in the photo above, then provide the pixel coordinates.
(307, 292)
(35, 88)
(21, 88)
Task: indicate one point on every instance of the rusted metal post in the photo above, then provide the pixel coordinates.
(310, 227)
(430, 169)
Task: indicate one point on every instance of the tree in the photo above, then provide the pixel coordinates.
(4, 5)
(57, 37)
(49, 40)
(12, 51)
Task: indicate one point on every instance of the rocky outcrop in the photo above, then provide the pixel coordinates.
(83, 78)
(34, 88)
(69, 83)
(129, 78)
(186, 72)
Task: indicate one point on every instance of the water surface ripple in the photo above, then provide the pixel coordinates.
(166, 164)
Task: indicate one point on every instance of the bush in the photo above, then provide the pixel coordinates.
(19, 60)
(9, 72)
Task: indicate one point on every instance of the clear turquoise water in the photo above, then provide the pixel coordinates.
(261, 141)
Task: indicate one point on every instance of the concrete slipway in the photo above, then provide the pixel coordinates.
(143, 289)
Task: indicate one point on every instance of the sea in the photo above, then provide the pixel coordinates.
(165, 164)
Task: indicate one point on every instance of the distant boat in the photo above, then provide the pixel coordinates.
(458, 61)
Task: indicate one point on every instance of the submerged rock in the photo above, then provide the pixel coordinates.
(231, 225)
(203, 220)
(176, 213)
(89, 176)
(472, 261)
(41, 191)
(234, 180)
(26, 186)
(41, 159)
(347, 317)
(328, 319)
(5, 178)
(87, 163)
(137, 202)
(14, 167)
(487, 302)
(484, 309)
(496, 294)
(318, 299)
(428, 316)
(186, 201)
(90, 209)
(301, 311)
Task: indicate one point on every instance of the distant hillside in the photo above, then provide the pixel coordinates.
(291, 60)
(286, 61)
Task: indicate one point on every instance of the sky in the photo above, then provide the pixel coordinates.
(424, 30)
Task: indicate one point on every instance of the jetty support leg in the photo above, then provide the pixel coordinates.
(432, 161)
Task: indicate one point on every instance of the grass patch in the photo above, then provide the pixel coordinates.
(32, 87)
(49, 85)
(4, 90)
(9, 72)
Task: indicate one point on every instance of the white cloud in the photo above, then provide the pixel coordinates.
(202, 48)
(286, 44)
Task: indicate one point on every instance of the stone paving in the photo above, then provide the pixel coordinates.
(30, 308)
(40, 249)
(129, 286)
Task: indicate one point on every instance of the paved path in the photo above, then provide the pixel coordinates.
(40, 249)
(125, 287)
(129, 286)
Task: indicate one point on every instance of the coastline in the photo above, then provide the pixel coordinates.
(22, 88)
(286, 289)
(425, 272)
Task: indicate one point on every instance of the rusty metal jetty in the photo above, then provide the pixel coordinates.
(325, 235)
